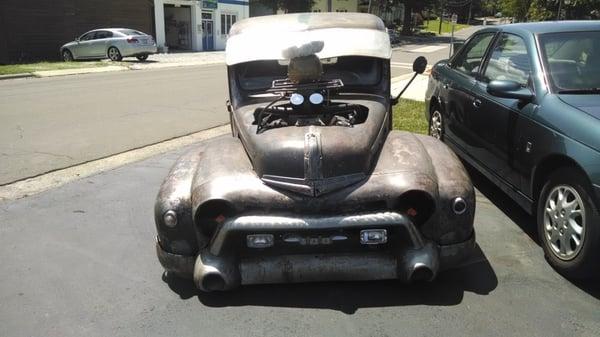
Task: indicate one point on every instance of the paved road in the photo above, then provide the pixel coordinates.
(79, 260)
(56, 122)
(53, 123)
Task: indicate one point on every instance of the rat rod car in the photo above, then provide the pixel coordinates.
(313, 184)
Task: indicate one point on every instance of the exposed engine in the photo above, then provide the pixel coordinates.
(307, 104)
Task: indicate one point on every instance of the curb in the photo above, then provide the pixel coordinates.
(13, 76)
(77, 71)
(60, 176)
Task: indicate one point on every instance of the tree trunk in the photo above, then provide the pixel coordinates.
(407, 21)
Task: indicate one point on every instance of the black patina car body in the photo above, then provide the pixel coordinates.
(313, 184)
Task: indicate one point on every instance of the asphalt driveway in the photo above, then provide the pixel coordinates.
(79, 260)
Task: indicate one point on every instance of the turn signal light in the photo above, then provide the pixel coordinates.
(373, 236)
(259, 240)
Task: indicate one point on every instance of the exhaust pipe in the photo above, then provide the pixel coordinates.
(420, 264)
(215, 274)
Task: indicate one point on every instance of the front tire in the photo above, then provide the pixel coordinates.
(67, 56)
(114, 54)
(436, 124)
(568, 224)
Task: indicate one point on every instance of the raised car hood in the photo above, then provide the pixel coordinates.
(313, 160)
(590, 104)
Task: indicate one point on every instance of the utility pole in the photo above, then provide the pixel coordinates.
(369, 10)
(441, 16)
(469, 17)
(559, 10)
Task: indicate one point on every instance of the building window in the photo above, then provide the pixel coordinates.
(227, 20)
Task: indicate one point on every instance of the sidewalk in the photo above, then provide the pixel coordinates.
(156, 61)
(416, 90)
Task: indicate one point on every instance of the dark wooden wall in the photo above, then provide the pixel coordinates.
(34, 30)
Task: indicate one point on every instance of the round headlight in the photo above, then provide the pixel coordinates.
(459, 206)
(316, 98)
(170, 218)
(296, 99)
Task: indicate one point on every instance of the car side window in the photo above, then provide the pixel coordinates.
(88, 36)
(103, 34)
(509, 61)
(470, 59)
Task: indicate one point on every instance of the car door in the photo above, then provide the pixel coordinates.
(457, 85)
(83, 48)
(495, 120)
(100, 43)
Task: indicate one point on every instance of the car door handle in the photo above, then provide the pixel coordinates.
(477, 103)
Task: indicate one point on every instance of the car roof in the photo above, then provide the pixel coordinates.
(112, 30)
(551, 27)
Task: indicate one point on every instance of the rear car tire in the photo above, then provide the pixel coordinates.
(569, 224)
(142, 57)
(436, 123)
(114, 54)
(67, 56)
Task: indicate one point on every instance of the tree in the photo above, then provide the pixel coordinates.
(543, 10)
(515, 8)
(410, 6)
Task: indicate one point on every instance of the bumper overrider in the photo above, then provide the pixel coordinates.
(258, 249)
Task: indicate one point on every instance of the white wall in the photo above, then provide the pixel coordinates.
(241, 11)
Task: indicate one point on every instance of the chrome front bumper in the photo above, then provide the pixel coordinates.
(222, 265)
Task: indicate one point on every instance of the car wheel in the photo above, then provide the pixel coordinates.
(114, 54)
(436, 124)
(568, 224)
(142, 57)
(67, 56)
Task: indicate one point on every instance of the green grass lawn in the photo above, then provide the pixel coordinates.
(31, 67)
(410, 116)
(433, 26)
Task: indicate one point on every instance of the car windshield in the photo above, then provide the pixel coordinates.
(352, 70)
(130, 32)
(573, 61)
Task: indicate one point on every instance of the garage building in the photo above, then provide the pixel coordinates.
(196, 25)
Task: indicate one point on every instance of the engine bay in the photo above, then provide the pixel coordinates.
(303, 104)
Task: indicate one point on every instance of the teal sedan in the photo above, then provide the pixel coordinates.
(521, 104)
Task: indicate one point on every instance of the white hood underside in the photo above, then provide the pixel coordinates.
(270, 45)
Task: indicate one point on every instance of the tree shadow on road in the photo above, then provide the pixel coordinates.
(524, 220)
(476, 276)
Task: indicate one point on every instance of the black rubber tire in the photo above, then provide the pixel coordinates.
(142, 57)
(67, 56)
(433, 109)
(585, 263)
(116, 57)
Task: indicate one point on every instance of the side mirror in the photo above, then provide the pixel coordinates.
(419, 65)
(456, 45)
(77, 39)
(509, 89)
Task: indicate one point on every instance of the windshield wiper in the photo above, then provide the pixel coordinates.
(580, 91)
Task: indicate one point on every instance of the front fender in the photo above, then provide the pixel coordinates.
(453, 182)
(175, 195)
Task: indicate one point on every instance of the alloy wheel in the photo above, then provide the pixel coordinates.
(67, 57)
(435, 125)
(564, 221)
(113, 54)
